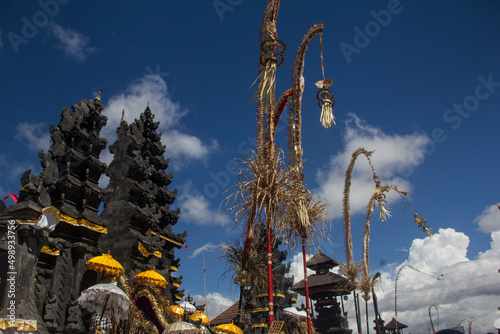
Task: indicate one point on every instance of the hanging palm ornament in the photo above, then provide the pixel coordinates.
(326, 102)
(325, 98)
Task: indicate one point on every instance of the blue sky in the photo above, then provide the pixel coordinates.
(416, 81)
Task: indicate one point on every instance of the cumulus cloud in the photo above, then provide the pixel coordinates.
(196, 208)
(216, 303)
(394, 157)
(207, 248)
(489, 220)
(34, 135)
(438, 272)
(180, 146)
(494, 251)
(190, 146)
(74, 44)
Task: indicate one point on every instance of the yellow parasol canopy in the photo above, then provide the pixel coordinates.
(228, 329)
(151, 276)
(105, 264)
(177, 309)
(198, 315)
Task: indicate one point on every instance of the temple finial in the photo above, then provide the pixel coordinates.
(147, 108)
(98, 97)
(123, 116)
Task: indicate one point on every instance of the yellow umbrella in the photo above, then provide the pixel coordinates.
(198, 315)
(228, 329)
(151, 276)
(105, 264)
(177, 310)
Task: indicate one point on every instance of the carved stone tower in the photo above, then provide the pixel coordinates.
(138, 201)
(70, 176)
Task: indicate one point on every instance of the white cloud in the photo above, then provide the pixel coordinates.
(180, 147)
(494, 251)
(466, 288)
(189, 146)
(208, 248)
(33, 135)
(297, 267)
(394, 157)
(196, 208)
(74, 44)
(489, 220)
(216, 303)
(446, 247)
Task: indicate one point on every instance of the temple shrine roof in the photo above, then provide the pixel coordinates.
(392, 325)
(321, 261)
(323, 282)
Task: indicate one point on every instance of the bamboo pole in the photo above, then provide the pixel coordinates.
(308, 312)
(270, 288)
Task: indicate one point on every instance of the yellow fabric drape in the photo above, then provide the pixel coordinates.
(146, 253)
(20, 325)
(47, 250)
(84, 223)
(168, 239)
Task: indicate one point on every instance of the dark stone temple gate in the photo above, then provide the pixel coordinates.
(135, 226)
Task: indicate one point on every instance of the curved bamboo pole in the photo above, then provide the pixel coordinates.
(470, 324)
(396, 289)
(351, 270)
(378, 196)
(294, 116)
(294, 135)
(430, 318)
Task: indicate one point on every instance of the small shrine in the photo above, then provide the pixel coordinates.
(327, 289)
(395, 327)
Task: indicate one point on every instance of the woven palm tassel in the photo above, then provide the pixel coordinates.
(327, 117)
(326, 102)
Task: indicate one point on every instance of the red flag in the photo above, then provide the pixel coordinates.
(186, 246)
(13, 196)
